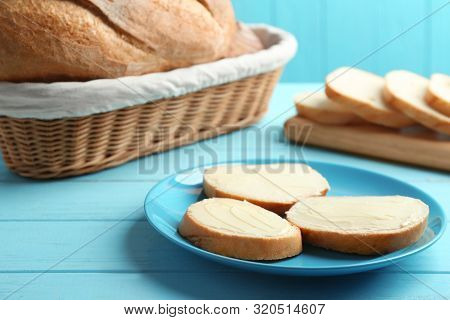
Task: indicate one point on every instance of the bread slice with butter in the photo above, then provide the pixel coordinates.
(438, 93)
(275, 187)
(362, 93)
(406, 92)
(239, 229)
(316, 106)
(361, 225)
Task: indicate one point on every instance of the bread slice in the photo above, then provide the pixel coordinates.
(438, 93)
(275, 187)
(362, 93)
(316, 106)
(361, 225)
(239, 229)
(406, 91)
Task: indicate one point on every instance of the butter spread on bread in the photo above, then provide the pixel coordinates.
(275, 187)
(362, 225)
(240, 229)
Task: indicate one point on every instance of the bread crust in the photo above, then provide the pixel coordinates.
(276, 207)
(52, 40)
(439, 123)
(238, 246)
(388, 118)
(375, 243)
(175, 30)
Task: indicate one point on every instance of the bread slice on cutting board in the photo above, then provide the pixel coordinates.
(406, 92)
(362, 93)
(239, 229)
(316, 106)
(438, 93)
(275, 187)
(361, 225)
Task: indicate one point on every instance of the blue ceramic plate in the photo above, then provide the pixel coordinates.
(167, 202)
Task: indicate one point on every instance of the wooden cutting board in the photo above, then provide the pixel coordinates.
(417, 145)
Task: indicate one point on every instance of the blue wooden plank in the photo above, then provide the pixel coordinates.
(224, 286)
(250, 11)
(439, 42)
(352, 33)
(105, 247)
(409, 49)
(64, 200)
(362, 31)
(306, 20)
(133, 246)
(348, 30)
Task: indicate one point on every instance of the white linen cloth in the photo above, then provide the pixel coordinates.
(58, 100)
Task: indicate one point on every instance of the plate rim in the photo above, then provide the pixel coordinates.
(263, 266)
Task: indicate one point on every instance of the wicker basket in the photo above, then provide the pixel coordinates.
(46, 149)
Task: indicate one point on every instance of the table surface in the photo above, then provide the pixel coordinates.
(87, 238)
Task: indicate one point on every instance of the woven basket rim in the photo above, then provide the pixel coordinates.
(45, 149)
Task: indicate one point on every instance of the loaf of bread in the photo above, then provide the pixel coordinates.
(361, 225)
(245, 41)
(49, 40)
(438, 93)
(239, 229)
(406, 91)
(362, 93)
(275, 187)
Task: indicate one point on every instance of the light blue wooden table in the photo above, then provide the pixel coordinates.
(87, 238)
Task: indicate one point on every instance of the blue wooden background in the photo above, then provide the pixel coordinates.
(333, 33)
